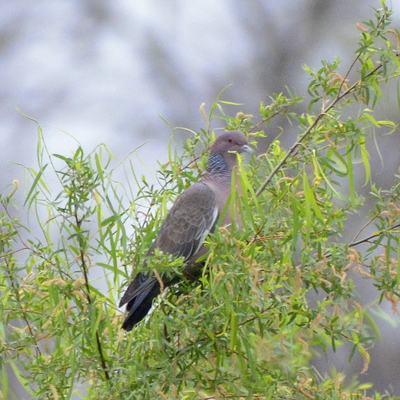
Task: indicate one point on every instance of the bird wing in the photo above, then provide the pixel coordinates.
(188, 223)
(190, 220)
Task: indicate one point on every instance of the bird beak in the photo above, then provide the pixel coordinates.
(247, 149)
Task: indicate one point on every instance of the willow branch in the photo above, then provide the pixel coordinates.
(373, 236)
(308, 131)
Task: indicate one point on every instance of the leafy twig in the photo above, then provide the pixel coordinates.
(307, 132)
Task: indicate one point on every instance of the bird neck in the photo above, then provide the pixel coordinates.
(217, 163)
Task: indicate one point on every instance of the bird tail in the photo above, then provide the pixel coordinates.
(139, 305)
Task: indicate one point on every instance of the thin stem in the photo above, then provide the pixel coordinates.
(89, 299)
(270, 117)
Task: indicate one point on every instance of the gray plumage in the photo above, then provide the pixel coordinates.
(191, 219)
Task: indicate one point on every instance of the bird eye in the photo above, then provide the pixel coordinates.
(230, 140)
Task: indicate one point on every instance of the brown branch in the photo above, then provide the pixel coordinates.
(374, 235)
(307, 132)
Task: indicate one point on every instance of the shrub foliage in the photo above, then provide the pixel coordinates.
(273, 293)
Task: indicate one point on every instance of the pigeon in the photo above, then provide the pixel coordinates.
(191, 219)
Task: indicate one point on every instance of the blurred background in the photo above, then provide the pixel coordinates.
(111, 71)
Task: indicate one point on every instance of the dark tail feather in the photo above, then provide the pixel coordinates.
(139, 306)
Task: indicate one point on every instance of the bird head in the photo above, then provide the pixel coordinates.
(229, 143)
